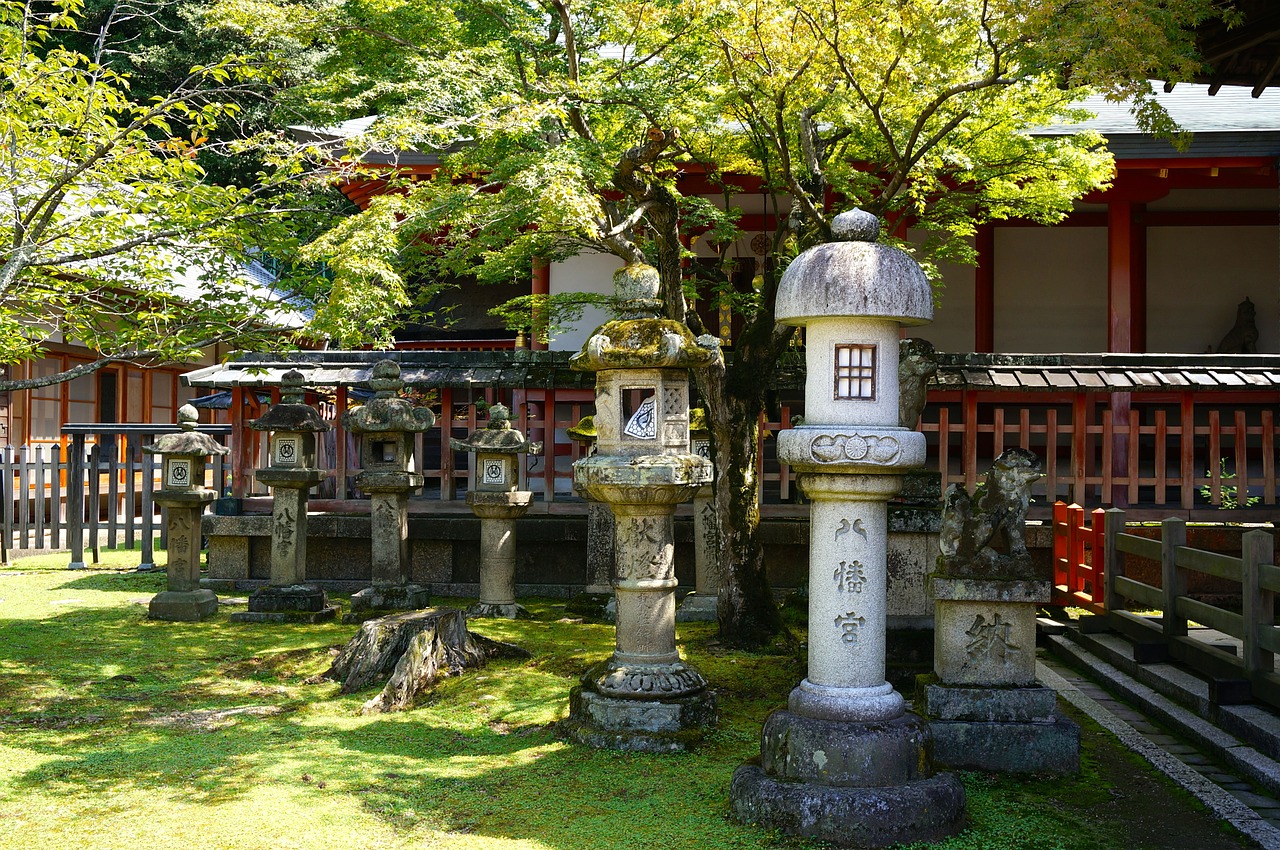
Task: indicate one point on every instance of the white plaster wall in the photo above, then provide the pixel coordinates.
(586, 272)
(1197, 275)
(952, 325)
(1051, 289)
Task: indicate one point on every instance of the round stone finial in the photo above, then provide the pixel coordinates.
(635, 291)
(291, 391)
(188, 417)
(855, 225)
(384, 380)
(499, 417)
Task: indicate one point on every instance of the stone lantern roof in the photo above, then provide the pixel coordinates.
(498, 437)
(290, 414)
(385, 412)
(637, 338)
(854, 276)
(584, 431)
(188, 441)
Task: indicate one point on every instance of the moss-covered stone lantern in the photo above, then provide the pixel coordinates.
(494, 498)
(183, 457)
(386, 425)
(292, 426)
(644, 697)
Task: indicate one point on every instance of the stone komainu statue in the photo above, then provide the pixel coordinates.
(917, 363)
(1243, 336)
(984, 535)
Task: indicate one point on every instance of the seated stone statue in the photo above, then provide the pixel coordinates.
(984, 535)
(917, 363)
(1243, 336)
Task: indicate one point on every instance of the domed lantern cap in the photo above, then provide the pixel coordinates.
(498, 437)
(188, 442)
(854, 276)
(291, 414)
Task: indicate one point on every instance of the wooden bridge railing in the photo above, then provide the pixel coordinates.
(1254, 625)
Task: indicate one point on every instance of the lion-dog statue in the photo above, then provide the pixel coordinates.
(984, 535)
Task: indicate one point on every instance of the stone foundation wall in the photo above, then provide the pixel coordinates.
(551, 554)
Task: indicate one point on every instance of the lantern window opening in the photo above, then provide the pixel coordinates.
(639, 410)
(855, 371)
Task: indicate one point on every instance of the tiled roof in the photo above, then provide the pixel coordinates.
(1107, 372)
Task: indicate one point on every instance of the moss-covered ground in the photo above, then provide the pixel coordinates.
(118, 732)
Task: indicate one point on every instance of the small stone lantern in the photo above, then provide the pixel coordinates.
(386, 425)
(292, 427)
(844, 762)
(494, 498)
(644, 697)
(184, 494)
(701, 604)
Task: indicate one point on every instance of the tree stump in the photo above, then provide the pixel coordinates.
(414, 649)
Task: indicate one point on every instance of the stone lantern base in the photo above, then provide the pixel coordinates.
(298, 603)
(183, 606)
(855, 784)
(641, 708)
(986, 710)
(380, 600)
(697, 608)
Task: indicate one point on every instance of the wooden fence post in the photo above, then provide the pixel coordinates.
(1112, 560)
(1060, 547)
(1259, 604)
(1098, 543)
(1173, 534)
(75, 502)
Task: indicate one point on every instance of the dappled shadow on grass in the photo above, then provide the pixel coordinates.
(117, 581)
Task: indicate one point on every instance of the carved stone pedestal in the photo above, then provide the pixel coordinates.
(390, 590)
(644, 697)
(700, 606)
(183, 600)
(986, 710)
(498, 513)
(288, 599)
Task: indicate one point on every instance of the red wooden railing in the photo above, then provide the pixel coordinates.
(1206, 455)
(1078, 557)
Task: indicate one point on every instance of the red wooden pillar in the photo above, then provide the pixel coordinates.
(1126, 319)
(541, 286)
(984, 290)
(239, 445)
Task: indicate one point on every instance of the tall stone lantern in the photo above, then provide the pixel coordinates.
(644, 697)
(386, 425)
(494, 498)
(292, 427)
(844, 762)
(184, 494)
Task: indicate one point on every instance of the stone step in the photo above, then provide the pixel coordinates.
(1226, 748)
(1256, 724)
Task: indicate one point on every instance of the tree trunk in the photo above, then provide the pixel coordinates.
(415, 649)
(746, 611)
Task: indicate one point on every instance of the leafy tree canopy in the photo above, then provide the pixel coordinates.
(113, 234)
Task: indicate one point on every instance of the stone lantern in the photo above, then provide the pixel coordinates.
(386, 425)
(701, 604)
(644, 697)
(292, 427)
(184, 494)
(597, 595)
(844, 762)
(494, 498)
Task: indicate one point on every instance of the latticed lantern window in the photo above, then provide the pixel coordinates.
(855, 371)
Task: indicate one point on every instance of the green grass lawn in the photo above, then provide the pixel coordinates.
(118, 732)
